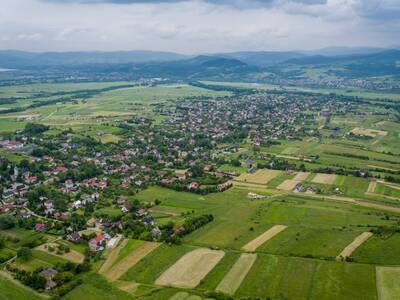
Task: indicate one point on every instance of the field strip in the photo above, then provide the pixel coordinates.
(231, 282)
(191, 268)
(129, 261)
(73, 255)
(371, 187)
(300, 176)
(288, 185)
(112, 257)
(358, 241)
(261, 239)
(387, 282)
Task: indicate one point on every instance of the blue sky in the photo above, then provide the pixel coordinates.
(197, 26)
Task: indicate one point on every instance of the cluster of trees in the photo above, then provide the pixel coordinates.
(193, 223)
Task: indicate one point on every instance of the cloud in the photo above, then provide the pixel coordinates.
(194, 26)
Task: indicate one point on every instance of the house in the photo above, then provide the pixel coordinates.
(141, 213)
(49, 274)
(208, 168)
(298, 188)
(180, 229)
(126, 207)
(40, 227)
(74, 237)
(223, 186)
(7, 194)
(69, 184)
(6, 207)
(156, 232)
(254, 196)
(91, 222)
(97, 244)
(31, 179)
(193, 186)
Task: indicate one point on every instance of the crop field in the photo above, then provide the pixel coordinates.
(387, 280)
(130, 260)
(236, 274)
(269, 234)
(288, 185)
(368, 132)
(313, 242)
(324, 178)
(190, 269)
(358, 241)
(259, 177)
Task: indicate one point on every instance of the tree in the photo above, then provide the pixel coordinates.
(7, 222)
(24, 253)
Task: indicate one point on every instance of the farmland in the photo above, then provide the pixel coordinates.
(181, 191)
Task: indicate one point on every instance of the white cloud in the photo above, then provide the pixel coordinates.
(196, 26)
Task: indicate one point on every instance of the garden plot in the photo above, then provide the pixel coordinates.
(388, 283)
(358, 241)
(324, 178)
(112, 257)
(259, 177)
(191, 268)
(261, 239)
(368, 132)
(237, 273)
(288, 185)
(129, 261)
(72, 255)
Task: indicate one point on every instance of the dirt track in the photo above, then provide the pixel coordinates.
(261, 239)
(191, 268)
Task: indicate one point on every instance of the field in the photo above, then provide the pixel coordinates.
(368, 132)
(236, 274)
(358, 241)
(259, 177)
(387, 280)
(72, 255)
(324, 178)
(190, 269)
(323, 248)
(130, 260)
(269, 234)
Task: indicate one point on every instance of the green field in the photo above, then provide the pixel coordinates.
(12, 291)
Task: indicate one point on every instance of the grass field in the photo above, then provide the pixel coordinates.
(12, 291)
(153, 265)
(387, 281)
(259, 177)
(379, 251)
(297, 278)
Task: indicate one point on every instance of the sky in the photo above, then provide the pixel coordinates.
(197, 26)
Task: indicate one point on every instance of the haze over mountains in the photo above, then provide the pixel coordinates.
(22, 59)
(348, 63)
